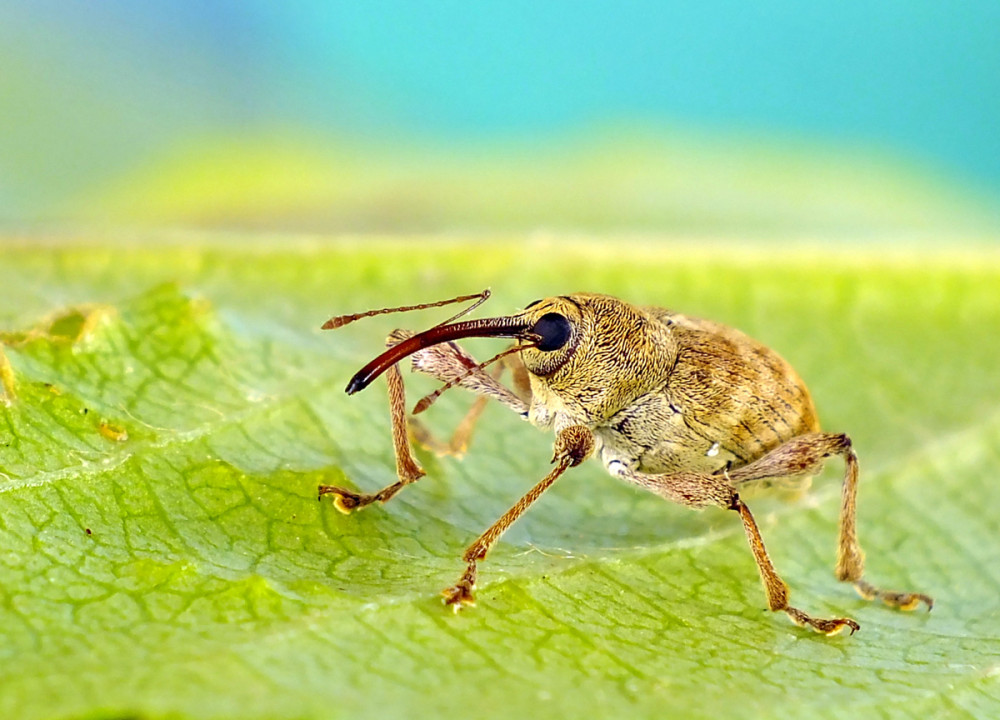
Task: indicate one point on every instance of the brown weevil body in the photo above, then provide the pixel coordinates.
(689, 409)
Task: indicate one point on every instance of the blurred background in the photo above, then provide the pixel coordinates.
(723, 117)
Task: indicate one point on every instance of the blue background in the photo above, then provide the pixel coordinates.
(89, 92)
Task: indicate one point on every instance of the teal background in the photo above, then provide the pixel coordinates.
(92, 93)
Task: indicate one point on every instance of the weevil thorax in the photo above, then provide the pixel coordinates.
(598, 354)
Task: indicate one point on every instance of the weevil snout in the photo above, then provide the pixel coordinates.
(514, 327)
(549, 332)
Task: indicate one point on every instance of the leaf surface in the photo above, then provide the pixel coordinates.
(168, 411)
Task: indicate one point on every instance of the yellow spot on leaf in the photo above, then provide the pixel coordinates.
(7, 382)
(113, 432)
(73, 325)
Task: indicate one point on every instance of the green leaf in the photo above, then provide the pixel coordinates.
(168, 411)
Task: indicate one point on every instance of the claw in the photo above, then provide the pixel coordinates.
(459, 596)
(900, 600)
(835, 626)
(826, 627)
(908, 601)
(344, 500)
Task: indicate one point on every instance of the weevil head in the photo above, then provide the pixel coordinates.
(595, 353)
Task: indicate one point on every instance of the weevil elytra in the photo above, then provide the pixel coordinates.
(689, 409)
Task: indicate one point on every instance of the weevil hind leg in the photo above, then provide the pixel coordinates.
(699, 490)
(805, 455)
(775, 588)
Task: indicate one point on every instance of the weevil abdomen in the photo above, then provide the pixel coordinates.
(727, 400)
(735, 391)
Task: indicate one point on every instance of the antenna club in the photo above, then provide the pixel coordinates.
(337, 322)
(423, 405)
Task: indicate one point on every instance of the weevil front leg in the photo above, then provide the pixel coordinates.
(698, 490)
(443, 362)
(407, 469)
(573, 445)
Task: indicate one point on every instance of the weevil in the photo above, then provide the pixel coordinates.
(686, 408)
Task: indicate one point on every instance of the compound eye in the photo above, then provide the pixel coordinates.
(554, 330)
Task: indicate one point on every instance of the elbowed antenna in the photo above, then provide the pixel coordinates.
(499, 327)
(340, 320)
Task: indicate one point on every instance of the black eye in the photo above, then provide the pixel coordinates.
(553, 328)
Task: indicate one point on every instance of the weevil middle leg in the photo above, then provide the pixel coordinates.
(458, 443)
(573, 445)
